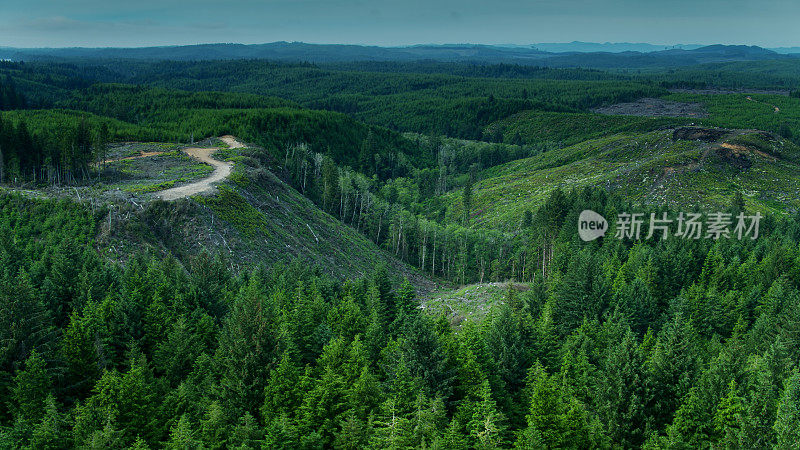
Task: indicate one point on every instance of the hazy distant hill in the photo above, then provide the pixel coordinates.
(611, 47)
(786, 50)
(575, 54)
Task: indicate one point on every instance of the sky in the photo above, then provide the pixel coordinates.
(138, 23)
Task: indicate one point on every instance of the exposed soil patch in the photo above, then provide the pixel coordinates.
(231, 141)
(654, 107)
(744, 150)
(698, 133)
(734, 155)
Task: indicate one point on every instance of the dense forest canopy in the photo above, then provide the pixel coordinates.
(619, 345)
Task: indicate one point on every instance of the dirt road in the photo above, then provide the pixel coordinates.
(231, 141)
(221, 171)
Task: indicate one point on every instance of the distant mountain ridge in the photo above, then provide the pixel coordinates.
(610, 47)
(575, 54)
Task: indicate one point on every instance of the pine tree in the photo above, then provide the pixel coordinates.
(84, 347)
(366, 155)
(546, 343)
(453, 437)
(406, 299)
(354, 433)
(506, 341)
(622, 392)
(546, 420)
(346, 319)
(246, 351)
(729, 417)
(580, 294)
(50, 432)
(670, 371)
(183, 436)
(246, 434)
(25, 325)
(282, 395)
(487, 427)
(391, 428)
(175, 355)
(787, 423)
(107, 437)
(214, 427)
(32, 387)
(765, 375)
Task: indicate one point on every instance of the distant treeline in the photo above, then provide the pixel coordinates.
(25, 156)
(59, 146)
(459, 103)
(476, 70)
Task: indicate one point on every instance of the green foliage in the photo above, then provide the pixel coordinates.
(787, 423)
(159, 354)
(231, 207)
(10, 98)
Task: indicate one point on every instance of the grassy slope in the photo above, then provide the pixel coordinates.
(651, 168)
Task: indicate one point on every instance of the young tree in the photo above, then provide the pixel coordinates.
(183, 436)
(247, 346)
(787, 423)
(729, 417)
(487, 427)
(32, 386)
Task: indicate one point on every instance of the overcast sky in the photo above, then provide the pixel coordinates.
(98, 23)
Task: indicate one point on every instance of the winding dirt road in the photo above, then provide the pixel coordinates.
(221, 171)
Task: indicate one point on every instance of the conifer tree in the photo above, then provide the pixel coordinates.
(787, 422)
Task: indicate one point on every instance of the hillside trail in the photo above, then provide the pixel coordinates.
(775, 108)
(222, 169)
